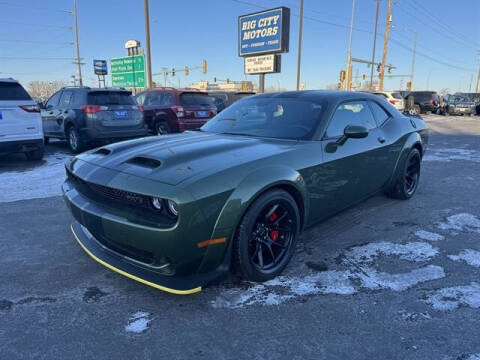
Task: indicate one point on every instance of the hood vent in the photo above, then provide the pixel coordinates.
(103, 151)
(144, 162)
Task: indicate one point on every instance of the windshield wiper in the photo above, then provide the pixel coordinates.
(237, 133)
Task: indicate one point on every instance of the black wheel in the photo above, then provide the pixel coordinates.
(407, 180)
(74, 140)
(161, 127)
(46, 140)
(265, 239)
(417, 109)
(35, 155)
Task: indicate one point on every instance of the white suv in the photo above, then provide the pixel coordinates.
(394, 98)
(20, 121)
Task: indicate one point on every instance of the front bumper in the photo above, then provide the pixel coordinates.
(18, 146)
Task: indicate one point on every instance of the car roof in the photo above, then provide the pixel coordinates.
(9, 80)
(172, 89)
(332, 95)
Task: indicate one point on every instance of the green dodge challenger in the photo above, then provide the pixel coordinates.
(179, 212)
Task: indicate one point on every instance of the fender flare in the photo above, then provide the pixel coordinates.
(413, 140)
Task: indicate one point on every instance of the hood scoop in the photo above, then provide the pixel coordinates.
(145, 162)
(103, 151)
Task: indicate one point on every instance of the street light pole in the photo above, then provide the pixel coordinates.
(413, 60)
(374, 46)
(147, 35)
(299, 44)
(349, 53)
(76, 43)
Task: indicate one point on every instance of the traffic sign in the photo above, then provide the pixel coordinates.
(128, 71)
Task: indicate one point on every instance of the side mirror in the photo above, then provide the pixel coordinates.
(355, 131)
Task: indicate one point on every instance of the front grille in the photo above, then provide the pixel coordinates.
(125, 197)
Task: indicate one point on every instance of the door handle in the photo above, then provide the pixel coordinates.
(381, 139)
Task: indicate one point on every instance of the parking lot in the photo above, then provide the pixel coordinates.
(386, 279)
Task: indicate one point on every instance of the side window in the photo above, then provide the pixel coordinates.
(168, 99)
(350, 113)
(140, 99)
(53, 101)
(65, 99)
(380, 115)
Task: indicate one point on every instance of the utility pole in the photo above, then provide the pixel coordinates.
(76, 43)
(470, 86)
(413, 60)
(374, 45)
(299, 44)
(349, 53)
(478, 79)
(385, 44)
(147, 35)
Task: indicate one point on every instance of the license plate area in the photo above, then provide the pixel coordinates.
(202, 114)
(121, 114)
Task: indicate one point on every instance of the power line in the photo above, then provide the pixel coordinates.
(34, 58)
(28, 7)
(35, 42)
(39, 25)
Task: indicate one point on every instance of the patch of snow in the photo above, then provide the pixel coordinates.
(453, 297)
(430, 236)
(360, 274)
(414, 251)
(38, 182)
(471, 257)
(474, 357)
(452, 154)
(462, 221)
(138, 322)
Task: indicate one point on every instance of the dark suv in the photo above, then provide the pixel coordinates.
(425, 101)
(84, 115)
(223, 99)
(169, 110)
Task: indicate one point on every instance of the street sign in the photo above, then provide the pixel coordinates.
(264, 32)
(262, 64)
(100, 67)
(128, 71)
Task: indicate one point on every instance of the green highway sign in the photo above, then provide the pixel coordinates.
(128, 71)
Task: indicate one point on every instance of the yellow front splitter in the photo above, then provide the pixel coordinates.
(102, 256)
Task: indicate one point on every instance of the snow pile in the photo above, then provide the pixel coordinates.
(462, 221)
(414, 251)
(453, 297)
(471, 257)
(39, 182)
(138, 322)
(429, 236)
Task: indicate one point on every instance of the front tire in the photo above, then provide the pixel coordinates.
(406, 183)
(265, 239)
(162, 128)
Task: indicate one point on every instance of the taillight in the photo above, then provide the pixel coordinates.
(179, 111)
(140, 108)
(392, 102)
(30, 108)
(431, 101)
(91, 109)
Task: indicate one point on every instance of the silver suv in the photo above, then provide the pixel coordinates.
(20, 122)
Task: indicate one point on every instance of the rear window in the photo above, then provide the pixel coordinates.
(397, 95)
(196, 99)
(422, 95)
(110, 98)
(13, 91)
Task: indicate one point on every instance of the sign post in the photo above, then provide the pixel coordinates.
(264, 33)
(100, 69)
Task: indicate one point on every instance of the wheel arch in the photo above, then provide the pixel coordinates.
(413, 141)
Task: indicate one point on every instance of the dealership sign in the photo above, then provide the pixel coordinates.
(100, 67)
(262, 64)
(264, 32)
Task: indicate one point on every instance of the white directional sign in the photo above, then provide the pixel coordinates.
(262, 64)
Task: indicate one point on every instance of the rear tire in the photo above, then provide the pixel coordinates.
(417, 110)
(406, 183)
(35, 155)
(162, 128)
(74, 140)
(265, 240)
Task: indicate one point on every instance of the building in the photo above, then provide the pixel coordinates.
(227, 86)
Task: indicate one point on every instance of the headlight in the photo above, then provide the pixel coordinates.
(172, 208)
(157, 203)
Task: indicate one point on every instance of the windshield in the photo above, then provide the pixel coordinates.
(284, 118)
(110, 98)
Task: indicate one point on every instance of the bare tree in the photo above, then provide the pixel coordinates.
(272, 88)
(42, 90)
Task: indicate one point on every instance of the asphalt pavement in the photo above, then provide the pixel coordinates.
(387, 279)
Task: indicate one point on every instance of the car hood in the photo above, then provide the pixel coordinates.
(172, 159)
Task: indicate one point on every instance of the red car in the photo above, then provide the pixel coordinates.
(170, 110)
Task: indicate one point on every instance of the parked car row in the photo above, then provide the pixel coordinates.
(84, 116)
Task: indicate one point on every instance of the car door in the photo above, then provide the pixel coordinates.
(49, 114)
(63, 111)
(349, 171)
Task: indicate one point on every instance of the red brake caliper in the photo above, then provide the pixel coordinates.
(274, 233)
